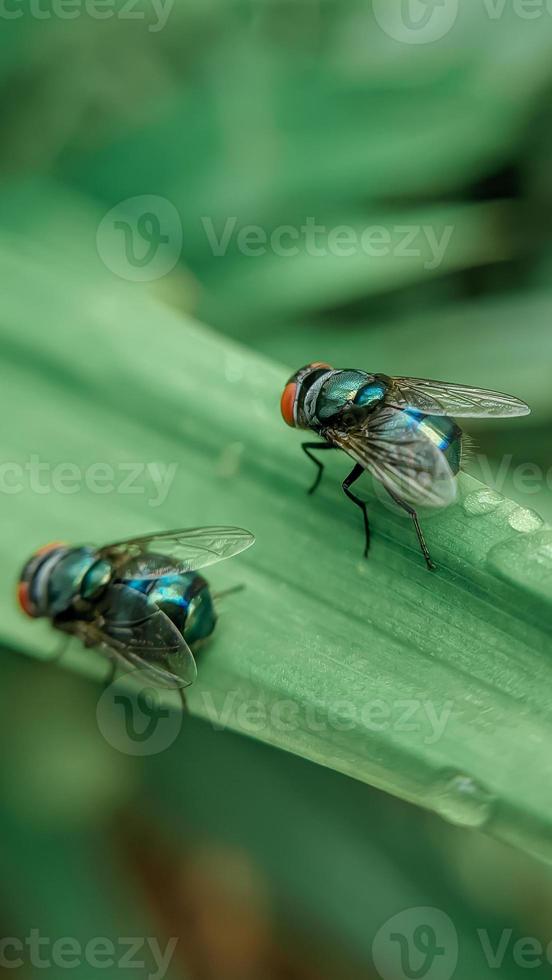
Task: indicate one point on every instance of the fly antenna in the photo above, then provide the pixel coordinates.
(225, 592)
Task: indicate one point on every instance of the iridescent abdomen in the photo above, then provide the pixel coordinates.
(185, 598)
(443, 432)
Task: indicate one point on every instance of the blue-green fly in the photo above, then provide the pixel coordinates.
(140, 600)
(399, 429)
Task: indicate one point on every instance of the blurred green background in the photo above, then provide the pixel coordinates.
(224, 126)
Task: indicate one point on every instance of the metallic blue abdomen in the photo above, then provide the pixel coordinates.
(442, 431)
(183, 597)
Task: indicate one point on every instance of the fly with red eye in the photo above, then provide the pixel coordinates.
(141, 601)
(401, 430)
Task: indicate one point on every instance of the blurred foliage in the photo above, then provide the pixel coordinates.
(263, 864)
(269, 112)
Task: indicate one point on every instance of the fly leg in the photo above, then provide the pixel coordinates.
(307, 447)
(217, 596)
(355, 475)
(410, 510)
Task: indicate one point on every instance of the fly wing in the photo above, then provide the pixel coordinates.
(132, 626)
(188, 550)
(401, 456)
(462, 401)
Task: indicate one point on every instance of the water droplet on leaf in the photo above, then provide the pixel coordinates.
(481, 502)
(460, 799)
(524, 520)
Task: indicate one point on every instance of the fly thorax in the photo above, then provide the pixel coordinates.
(66, 579)
(349, 396)
(95, 580)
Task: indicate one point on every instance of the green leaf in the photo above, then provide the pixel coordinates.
(433, 687)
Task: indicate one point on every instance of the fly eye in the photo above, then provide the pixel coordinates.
(287, 404)
(24, 600)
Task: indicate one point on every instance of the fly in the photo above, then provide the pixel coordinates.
(141, 600)
(401, 430)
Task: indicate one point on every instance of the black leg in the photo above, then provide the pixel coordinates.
(183, 699)
(355, 475)
(306, 447)
(410, 510)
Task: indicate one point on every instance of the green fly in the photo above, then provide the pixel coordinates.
(399, 429)
(141, 600)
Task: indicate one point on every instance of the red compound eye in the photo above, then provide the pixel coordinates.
(23, 586)
(49, 547)
(289, 397)
(287, 403)
(23, 599)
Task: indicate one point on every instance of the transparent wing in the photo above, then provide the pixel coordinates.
(441, 398)
(189, 549)
(132, 626)
(401, 457)
(144, 631)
